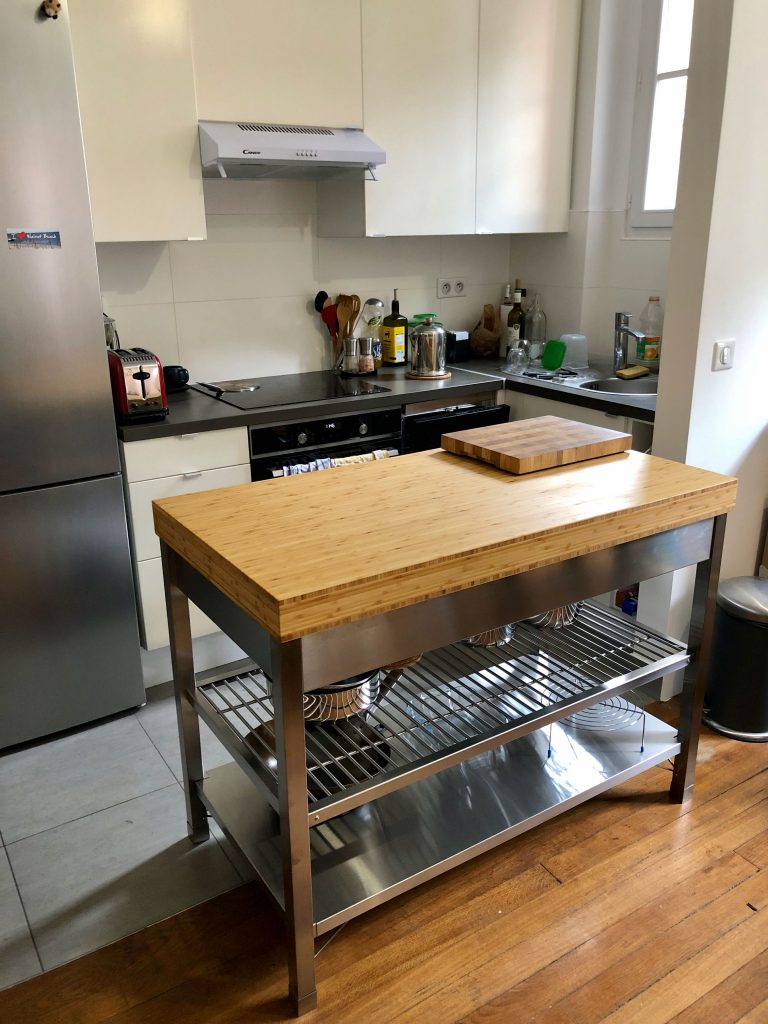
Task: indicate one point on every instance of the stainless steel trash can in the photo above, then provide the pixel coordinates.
(737, 699)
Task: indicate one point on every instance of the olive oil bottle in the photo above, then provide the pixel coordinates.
(394, 330)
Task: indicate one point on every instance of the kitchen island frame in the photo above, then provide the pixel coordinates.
(270, 818)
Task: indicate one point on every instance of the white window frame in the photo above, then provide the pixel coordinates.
(637, 216)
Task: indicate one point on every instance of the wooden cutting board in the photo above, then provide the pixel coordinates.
(526, 446)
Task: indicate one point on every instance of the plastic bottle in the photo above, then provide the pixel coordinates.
(369, 326)
(504, 310)
(536, 329)
(651, 324)
(394, 331)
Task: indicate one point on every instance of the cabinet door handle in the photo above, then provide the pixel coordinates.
(190, 476)
(185, 437)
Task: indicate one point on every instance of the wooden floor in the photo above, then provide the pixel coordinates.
(628, 908)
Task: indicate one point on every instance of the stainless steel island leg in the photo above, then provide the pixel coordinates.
(180, 633)
(287, 695)
(697, 673)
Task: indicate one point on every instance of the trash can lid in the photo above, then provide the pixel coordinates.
(745, 597)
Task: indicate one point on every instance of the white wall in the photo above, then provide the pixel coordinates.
(719, 271)
(598, 269)
(240, 303)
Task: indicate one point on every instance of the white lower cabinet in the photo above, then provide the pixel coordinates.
(535, 406)
(153, 623)
(164, 467)
(524, 406)
(185, 453)
(143, 493)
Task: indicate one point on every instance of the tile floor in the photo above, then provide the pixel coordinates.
(93, 839)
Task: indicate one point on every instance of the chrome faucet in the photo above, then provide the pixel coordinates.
(621, 334)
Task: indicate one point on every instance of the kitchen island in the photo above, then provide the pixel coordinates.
(326, 576)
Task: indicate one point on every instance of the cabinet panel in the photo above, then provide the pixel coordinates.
(143, 492)
(185, 453)
(535, 406)
(526, 99)
(153, 620)
(420, 105)
(133, 63)
(283, 63)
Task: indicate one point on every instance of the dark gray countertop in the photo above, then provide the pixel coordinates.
(191, 411)
(639, 407)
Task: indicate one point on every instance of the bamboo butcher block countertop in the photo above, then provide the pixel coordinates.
(305, 553)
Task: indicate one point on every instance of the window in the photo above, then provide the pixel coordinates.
(660, 107)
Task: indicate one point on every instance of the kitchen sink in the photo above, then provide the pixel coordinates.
(617, 386)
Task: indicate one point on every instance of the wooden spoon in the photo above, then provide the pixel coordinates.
(355, 299)
(344, 314)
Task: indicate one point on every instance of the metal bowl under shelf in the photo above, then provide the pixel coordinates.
(556, 618)
(491, 637)
(349, 697)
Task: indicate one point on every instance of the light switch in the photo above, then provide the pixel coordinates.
(722, 354)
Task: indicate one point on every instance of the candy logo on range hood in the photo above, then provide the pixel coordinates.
(247, 150)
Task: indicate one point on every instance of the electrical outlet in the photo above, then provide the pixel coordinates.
(450, 287)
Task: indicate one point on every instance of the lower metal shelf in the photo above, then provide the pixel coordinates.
(381, 849)
(455, 703)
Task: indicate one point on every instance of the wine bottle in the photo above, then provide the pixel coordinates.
(504, 311)
(515, 321)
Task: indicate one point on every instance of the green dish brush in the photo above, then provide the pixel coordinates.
(553, 355)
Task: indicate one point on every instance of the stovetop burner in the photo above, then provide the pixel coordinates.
(233, 386)
(290, 389)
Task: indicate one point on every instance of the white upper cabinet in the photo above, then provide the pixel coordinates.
(526, 99)
(133, 63)
(278, 61)
(420, 106)
(473, 102)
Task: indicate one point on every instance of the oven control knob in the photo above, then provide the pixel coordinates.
(363, 429)
(302, 438)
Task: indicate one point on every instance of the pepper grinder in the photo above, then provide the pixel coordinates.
(351, 358)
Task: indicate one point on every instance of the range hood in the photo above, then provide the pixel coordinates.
(248, 150)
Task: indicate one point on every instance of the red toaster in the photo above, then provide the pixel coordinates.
(138, 388)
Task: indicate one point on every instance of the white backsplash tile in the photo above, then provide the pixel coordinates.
(554, 259)
(254, 197)
(464, 312)
(246, 257)
(379, 262)
(478, 259)
(239, 303)
(616, 261)
(151, 326)
(251, 338)
(562, 307)
(134, 273)
(598, 309)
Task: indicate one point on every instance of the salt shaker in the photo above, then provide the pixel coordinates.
(365, 362)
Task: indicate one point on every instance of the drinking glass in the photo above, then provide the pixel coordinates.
(517, 360)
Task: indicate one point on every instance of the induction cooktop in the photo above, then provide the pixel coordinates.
(290, 389)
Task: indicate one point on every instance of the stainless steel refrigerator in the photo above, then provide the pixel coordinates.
(69, 650)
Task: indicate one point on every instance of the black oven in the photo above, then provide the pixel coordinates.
(301, 446)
